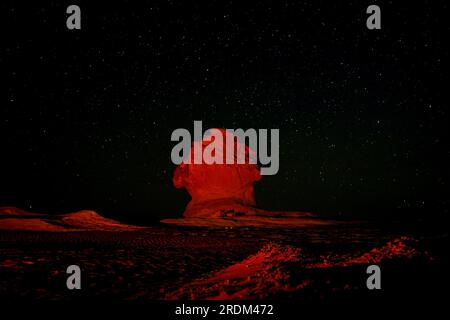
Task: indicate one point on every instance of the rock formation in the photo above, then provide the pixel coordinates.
(222, 190)
(218, 189)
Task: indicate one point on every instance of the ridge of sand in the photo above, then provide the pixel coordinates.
(13, 211)
(17, 219)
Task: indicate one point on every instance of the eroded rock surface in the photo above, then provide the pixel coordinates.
(218, 189)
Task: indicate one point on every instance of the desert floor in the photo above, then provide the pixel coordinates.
(169, 262)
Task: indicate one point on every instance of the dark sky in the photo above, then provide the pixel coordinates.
(86, 115)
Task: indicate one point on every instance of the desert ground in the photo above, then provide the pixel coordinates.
(171, 262)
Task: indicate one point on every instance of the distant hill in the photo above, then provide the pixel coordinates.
(12, 218)
(16, 212)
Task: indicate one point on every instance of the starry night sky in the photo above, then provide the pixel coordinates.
(86, 115)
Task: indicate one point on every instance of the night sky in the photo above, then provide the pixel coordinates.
(86, 115)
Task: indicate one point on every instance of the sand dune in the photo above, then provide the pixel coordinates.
(17, 219)
(88, 219)
(17, 224)
(13, 211)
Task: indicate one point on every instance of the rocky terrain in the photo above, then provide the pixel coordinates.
(172, 262)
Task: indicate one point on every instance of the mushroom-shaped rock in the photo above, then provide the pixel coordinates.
(218, 189)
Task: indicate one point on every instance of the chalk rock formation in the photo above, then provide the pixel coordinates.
(223, 194)
(219, 189)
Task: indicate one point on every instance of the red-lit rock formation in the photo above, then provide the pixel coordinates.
(218, 189)
(225, 191)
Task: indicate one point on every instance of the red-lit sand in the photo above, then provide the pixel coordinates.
(253, 221)
(205, 263)
(273, 271)
(17, 219)
(13, 211)
(258, 274)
